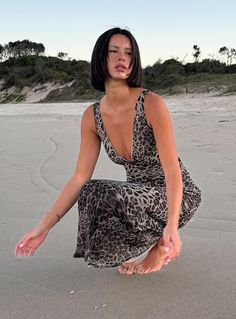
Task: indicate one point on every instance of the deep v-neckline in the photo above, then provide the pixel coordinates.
(133, 131)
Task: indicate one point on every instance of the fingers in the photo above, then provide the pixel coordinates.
(177, 244)
(16, 250)
(22, 249)
(19, 249)
(27, 250)
(170, 257)
(20, 246)
(167, 243)
(32, 252)
(174, 252)
(177, 248)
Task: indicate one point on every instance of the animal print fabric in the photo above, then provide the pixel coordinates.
(119, 220)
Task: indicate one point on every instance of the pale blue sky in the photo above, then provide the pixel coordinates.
(163, 29)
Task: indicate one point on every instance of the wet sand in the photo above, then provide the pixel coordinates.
(38, 152)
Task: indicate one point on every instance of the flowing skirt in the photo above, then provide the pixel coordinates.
(120, 220)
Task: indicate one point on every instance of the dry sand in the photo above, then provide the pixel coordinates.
(38, 151)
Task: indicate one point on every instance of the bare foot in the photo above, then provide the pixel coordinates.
(154, 261)
(127, 268)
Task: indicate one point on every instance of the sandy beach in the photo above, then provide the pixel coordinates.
(39, 145)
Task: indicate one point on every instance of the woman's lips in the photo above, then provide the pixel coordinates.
(121, 68)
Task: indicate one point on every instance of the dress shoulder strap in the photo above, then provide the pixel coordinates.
(98, 121)
(145, 91)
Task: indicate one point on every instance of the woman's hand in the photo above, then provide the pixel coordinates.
(172, 240)
(30, 242)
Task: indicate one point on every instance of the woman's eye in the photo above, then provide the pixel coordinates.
(114, 51)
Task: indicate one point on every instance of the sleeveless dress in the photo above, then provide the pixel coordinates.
(120, 220)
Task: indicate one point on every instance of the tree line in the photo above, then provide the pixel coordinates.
(20, 48)
(25, 63)
(230, 54)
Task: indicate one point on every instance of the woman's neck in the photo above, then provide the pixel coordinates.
(117, 93)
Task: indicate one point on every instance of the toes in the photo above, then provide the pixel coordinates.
(140, 269)
(136, 269)
(131, 270)
(155, 269)
(147, 270)
(121, 269)
(127, 269)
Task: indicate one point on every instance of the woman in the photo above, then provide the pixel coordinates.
(120, 220)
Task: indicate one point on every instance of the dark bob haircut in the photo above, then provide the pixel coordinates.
(99, 71)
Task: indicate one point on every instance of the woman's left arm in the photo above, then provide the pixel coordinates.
(159, 119)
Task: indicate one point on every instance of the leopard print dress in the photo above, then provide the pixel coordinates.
(119, 220)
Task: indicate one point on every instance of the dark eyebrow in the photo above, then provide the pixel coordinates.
(115, 46)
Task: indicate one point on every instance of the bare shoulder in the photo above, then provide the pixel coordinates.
(88, 120)
(156, 108)
(88, 113)
(154, 101)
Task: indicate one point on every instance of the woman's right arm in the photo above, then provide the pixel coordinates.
(89, 151)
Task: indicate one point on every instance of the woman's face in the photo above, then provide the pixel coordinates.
(119, 59)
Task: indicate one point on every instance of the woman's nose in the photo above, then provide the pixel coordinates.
(121, 57)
